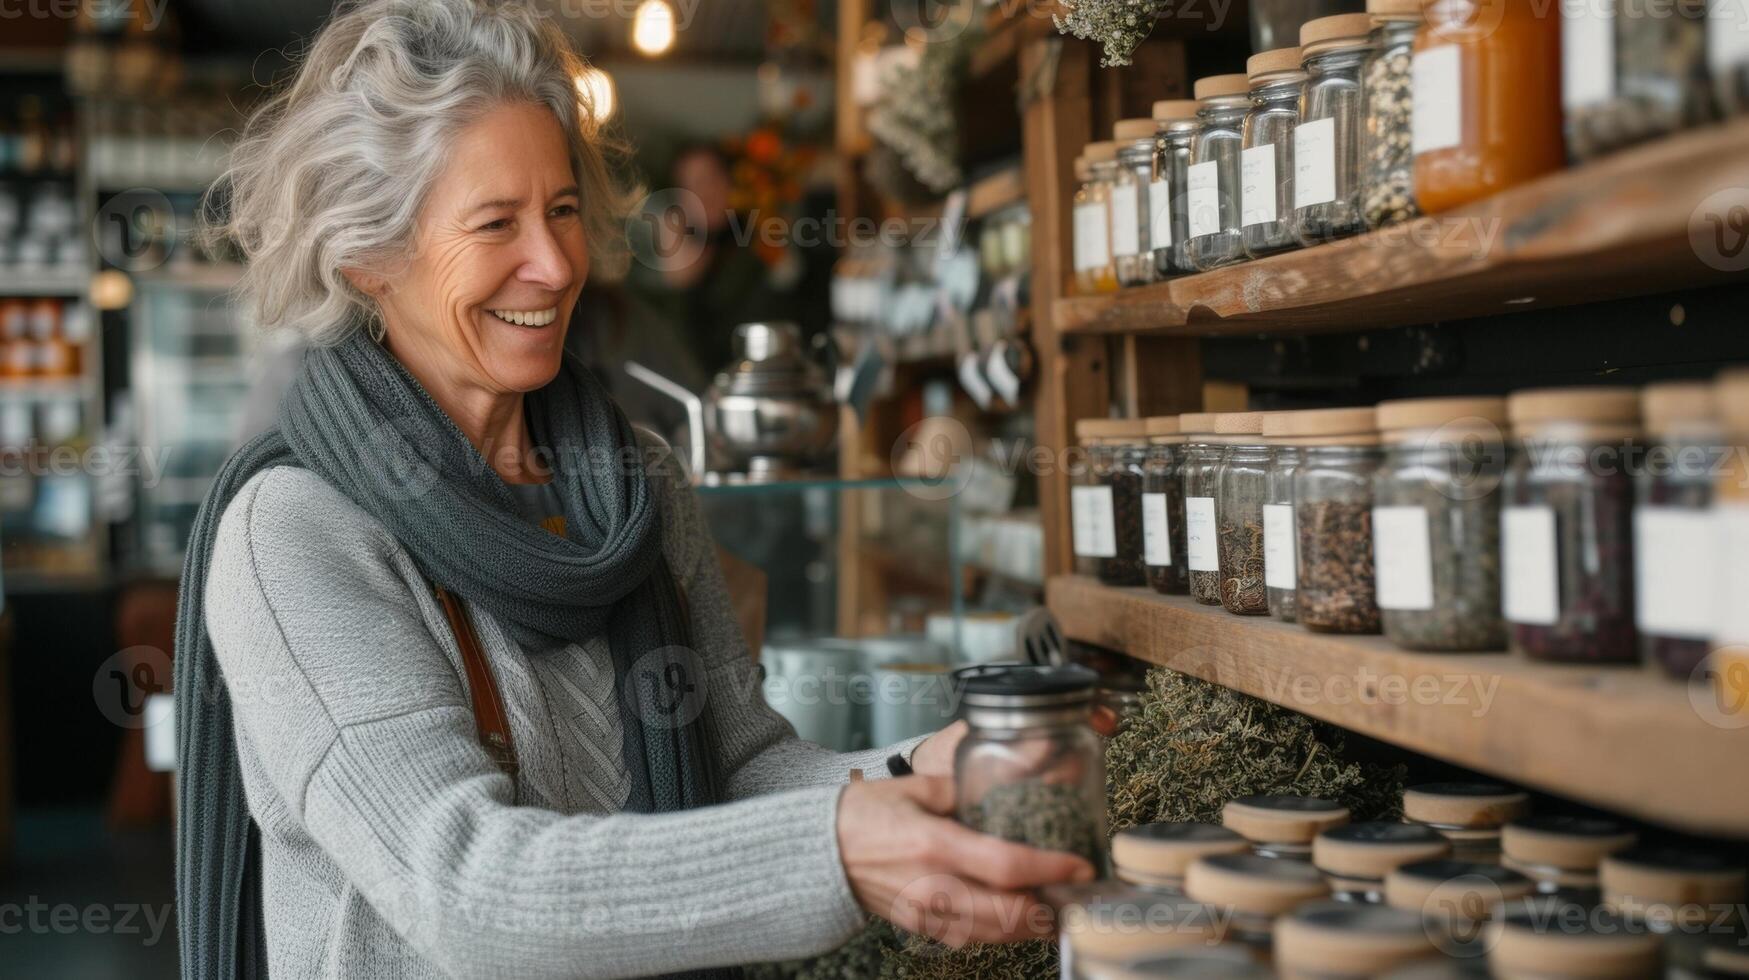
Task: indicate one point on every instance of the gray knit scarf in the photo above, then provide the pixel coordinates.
(356, 418)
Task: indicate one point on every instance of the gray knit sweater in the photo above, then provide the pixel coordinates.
(391, 844)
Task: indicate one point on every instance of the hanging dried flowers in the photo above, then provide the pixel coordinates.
(1118, 25)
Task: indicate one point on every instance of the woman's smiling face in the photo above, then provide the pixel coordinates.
(498, 260)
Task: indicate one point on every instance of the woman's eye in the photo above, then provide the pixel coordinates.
(499, 225)
(564, 211)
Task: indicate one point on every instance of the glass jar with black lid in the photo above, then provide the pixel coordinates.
(1030, 768)
(1242, 485)
(1131, 238)
(1387, 154)
(1266, 168)
(1676, 544)
(1327, 184)
(1163, 508)
(1169, 227)
(1213, 184)
(1200, 469)
(1335, 590)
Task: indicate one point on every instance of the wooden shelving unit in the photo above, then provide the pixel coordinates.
(1621, 738)
(1635, 222)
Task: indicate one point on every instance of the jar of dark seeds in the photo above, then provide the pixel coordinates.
(1119, 468)
(1213, 184)
(1091, 514)
(1031, 769)
(1333, 501)
(1169, 228)
(1242, 484)
(1387, 154)
(1280, 537)
(1131, 240)
(1266, 164)
(1631, 73)
(1436, 522)
(1163, 508)
(1202, 463)
(1567, 525)
(1327, 186)
(1676, 552)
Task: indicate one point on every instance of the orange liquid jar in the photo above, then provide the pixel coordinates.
(1487, 79)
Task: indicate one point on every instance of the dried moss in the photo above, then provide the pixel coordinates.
(1192, 747)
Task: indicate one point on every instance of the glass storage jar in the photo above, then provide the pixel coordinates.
(1387, 160)
(1154, 856)
(1241, 486)
(1561, 852)
(1668, 890)
(1282, 826)
(1729, 664)
(1202, 463)
(1728, 56)
(1030, 768)
(1170, 228)
(1106, 926)
(1212, 191)
(1327, 198)
(1436, 523)
(1341, 941)
(1676, 553)
(1487, 79)
(1163, 508)
(1225, 962)
(1266, 165)
(1631, 73)
(1118, 469)
(1253, 892)
(1566, 528)
(1470, 815)
(1092, 516)
(1280, 536)
(1132, 254)
(1333, 500)
(1455, 898)
(1356, 857)
(1094, 272)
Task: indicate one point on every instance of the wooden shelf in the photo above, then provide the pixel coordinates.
(1617, 227)
(995, 192)
(1624, 738)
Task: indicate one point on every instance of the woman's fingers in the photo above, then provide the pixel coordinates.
(1007, 865)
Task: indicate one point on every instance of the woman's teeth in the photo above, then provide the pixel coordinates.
(527, 318)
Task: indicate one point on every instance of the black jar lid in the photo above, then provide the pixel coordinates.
(1001, 684)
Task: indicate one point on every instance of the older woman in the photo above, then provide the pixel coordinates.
(458, 686)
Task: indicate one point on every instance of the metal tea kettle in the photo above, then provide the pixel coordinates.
(768, 415)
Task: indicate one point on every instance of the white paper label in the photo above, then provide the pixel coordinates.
(1402, 558)
(1205, 200)
(1675, 571)
(1258, 191)
(1529, 578)
(1314, 163)
(1159, 215)
(1095, 531)
(1092, 247)
(1587, 53)
(1156, 530)
(1727, 34)
(1438, 122)
(1733, 610)
(1126, 237)
(1199, 534)
(1278, 546)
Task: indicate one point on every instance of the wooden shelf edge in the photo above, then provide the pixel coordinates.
(1625, 739)
(995, 192)
(1619, 226)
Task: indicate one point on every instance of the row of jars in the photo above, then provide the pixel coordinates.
(1566, 524)
(1468, 882)
(1324, 140)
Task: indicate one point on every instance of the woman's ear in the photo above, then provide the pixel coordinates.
(368, 283)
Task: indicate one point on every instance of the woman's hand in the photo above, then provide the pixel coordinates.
(934, 755)
(911, 864)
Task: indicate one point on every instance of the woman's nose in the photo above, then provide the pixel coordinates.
(544, 262)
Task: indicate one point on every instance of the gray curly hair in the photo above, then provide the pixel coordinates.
(331, 172)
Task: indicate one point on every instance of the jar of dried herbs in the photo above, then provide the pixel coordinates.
(1094, 272)
(1154, 856)
(1169, 227)
(1436, 522)
(1201, 467)
(1030, 768)
(1341, 941)
(1092, 515)
(1333, 500)
(1387, 156)
(1327, 185)
(1280, 536)
(1567, 525)
(1631, 73)
(1242, 485)
(1356, 857)
(1106, 926)
(1281, 826)
(1562, 852)
(1118, 466)
(1470, 815)
(1266, 164)
(1213, 180)
(1163, 508)
(1455, 898)
(1132, 254)
(1676, 553)
(1254, 891)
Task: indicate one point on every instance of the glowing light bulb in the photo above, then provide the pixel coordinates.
(653, 27)
(596, 87)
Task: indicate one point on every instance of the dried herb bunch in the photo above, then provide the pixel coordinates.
(1118, 25)
(916, 117)
(1242, 589)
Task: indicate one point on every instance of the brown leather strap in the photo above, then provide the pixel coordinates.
(489, 717)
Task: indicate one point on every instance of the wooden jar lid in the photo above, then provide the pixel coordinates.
(1161, 425)
(1103, 151)
(1603, 412)
(1322, 422)
(1453, 416)
(1239, 423)
(1372, 850)
(1546, 942)
(1680, 408)
(1336, 31)
(1447, 888)
(1641, 878)
(1132, 130)
(1111, 429)
(1350, 940)
(1197, 423)
(1253, 885)
(1222, 87)
(1175, 110)
(1569, 843)
(1164, 850)
(1731, 395)
(1281, 61)
(1471, 806)
(1394, 9)
(1118, 922)
(1282, 819)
